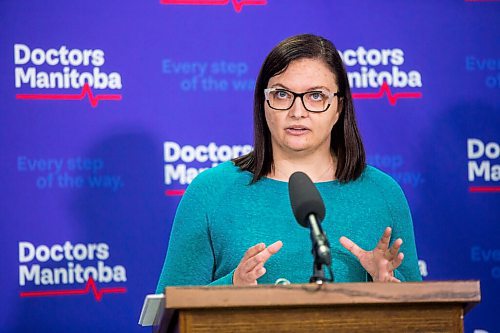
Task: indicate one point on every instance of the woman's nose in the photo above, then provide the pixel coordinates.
(297, 110)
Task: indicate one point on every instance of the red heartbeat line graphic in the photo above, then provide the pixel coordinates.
(238, 5)
(172, 193)
(484, 189)
(70, 292)
(393, 98)
(73, 97)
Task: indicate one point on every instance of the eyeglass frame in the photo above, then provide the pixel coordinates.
(295, 95)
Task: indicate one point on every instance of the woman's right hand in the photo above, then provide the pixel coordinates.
(251, 267)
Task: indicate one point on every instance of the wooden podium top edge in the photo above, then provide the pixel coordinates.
(197, 297)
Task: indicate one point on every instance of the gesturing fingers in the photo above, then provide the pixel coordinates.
(265, 254)
(254, 274)
(260, 270)
(351, 247)
(397, 261)
(259, 259)
(382, 261)
(394, 249)
(386, 269)
(383, 244)
(274, 248)
(251, 267)
(253, 251)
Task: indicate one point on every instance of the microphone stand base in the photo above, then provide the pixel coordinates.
(318, 276)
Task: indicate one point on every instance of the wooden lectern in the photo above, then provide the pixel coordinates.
(341, 307)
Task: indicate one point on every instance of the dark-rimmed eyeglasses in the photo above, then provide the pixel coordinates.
(313, 101)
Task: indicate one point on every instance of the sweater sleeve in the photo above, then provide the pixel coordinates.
(190, 256)
(403, 228)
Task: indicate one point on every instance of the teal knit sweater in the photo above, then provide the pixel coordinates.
(220, 216)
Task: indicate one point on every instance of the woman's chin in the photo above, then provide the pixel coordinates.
(298, 147)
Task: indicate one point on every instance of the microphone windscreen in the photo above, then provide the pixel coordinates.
(305, 199)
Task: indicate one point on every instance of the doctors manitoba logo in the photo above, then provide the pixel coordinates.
(75, 73)
(381, 73)
(68, 270)
(483, 167)
(184, 162)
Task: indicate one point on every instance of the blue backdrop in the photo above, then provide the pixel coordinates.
(110, 108)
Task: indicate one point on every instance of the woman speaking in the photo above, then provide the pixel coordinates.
(234, 225)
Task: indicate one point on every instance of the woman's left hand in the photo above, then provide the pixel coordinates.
(380, 262)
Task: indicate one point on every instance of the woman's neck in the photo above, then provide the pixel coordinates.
(320, 168)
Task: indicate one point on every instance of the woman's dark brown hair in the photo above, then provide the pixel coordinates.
(346, 142)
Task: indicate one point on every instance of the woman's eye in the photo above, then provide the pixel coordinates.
(317, 96)
(281, 94)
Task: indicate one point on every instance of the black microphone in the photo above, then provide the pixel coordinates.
(309, 211)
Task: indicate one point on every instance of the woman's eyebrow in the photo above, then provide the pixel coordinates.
(276, 85)
(318, 88)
